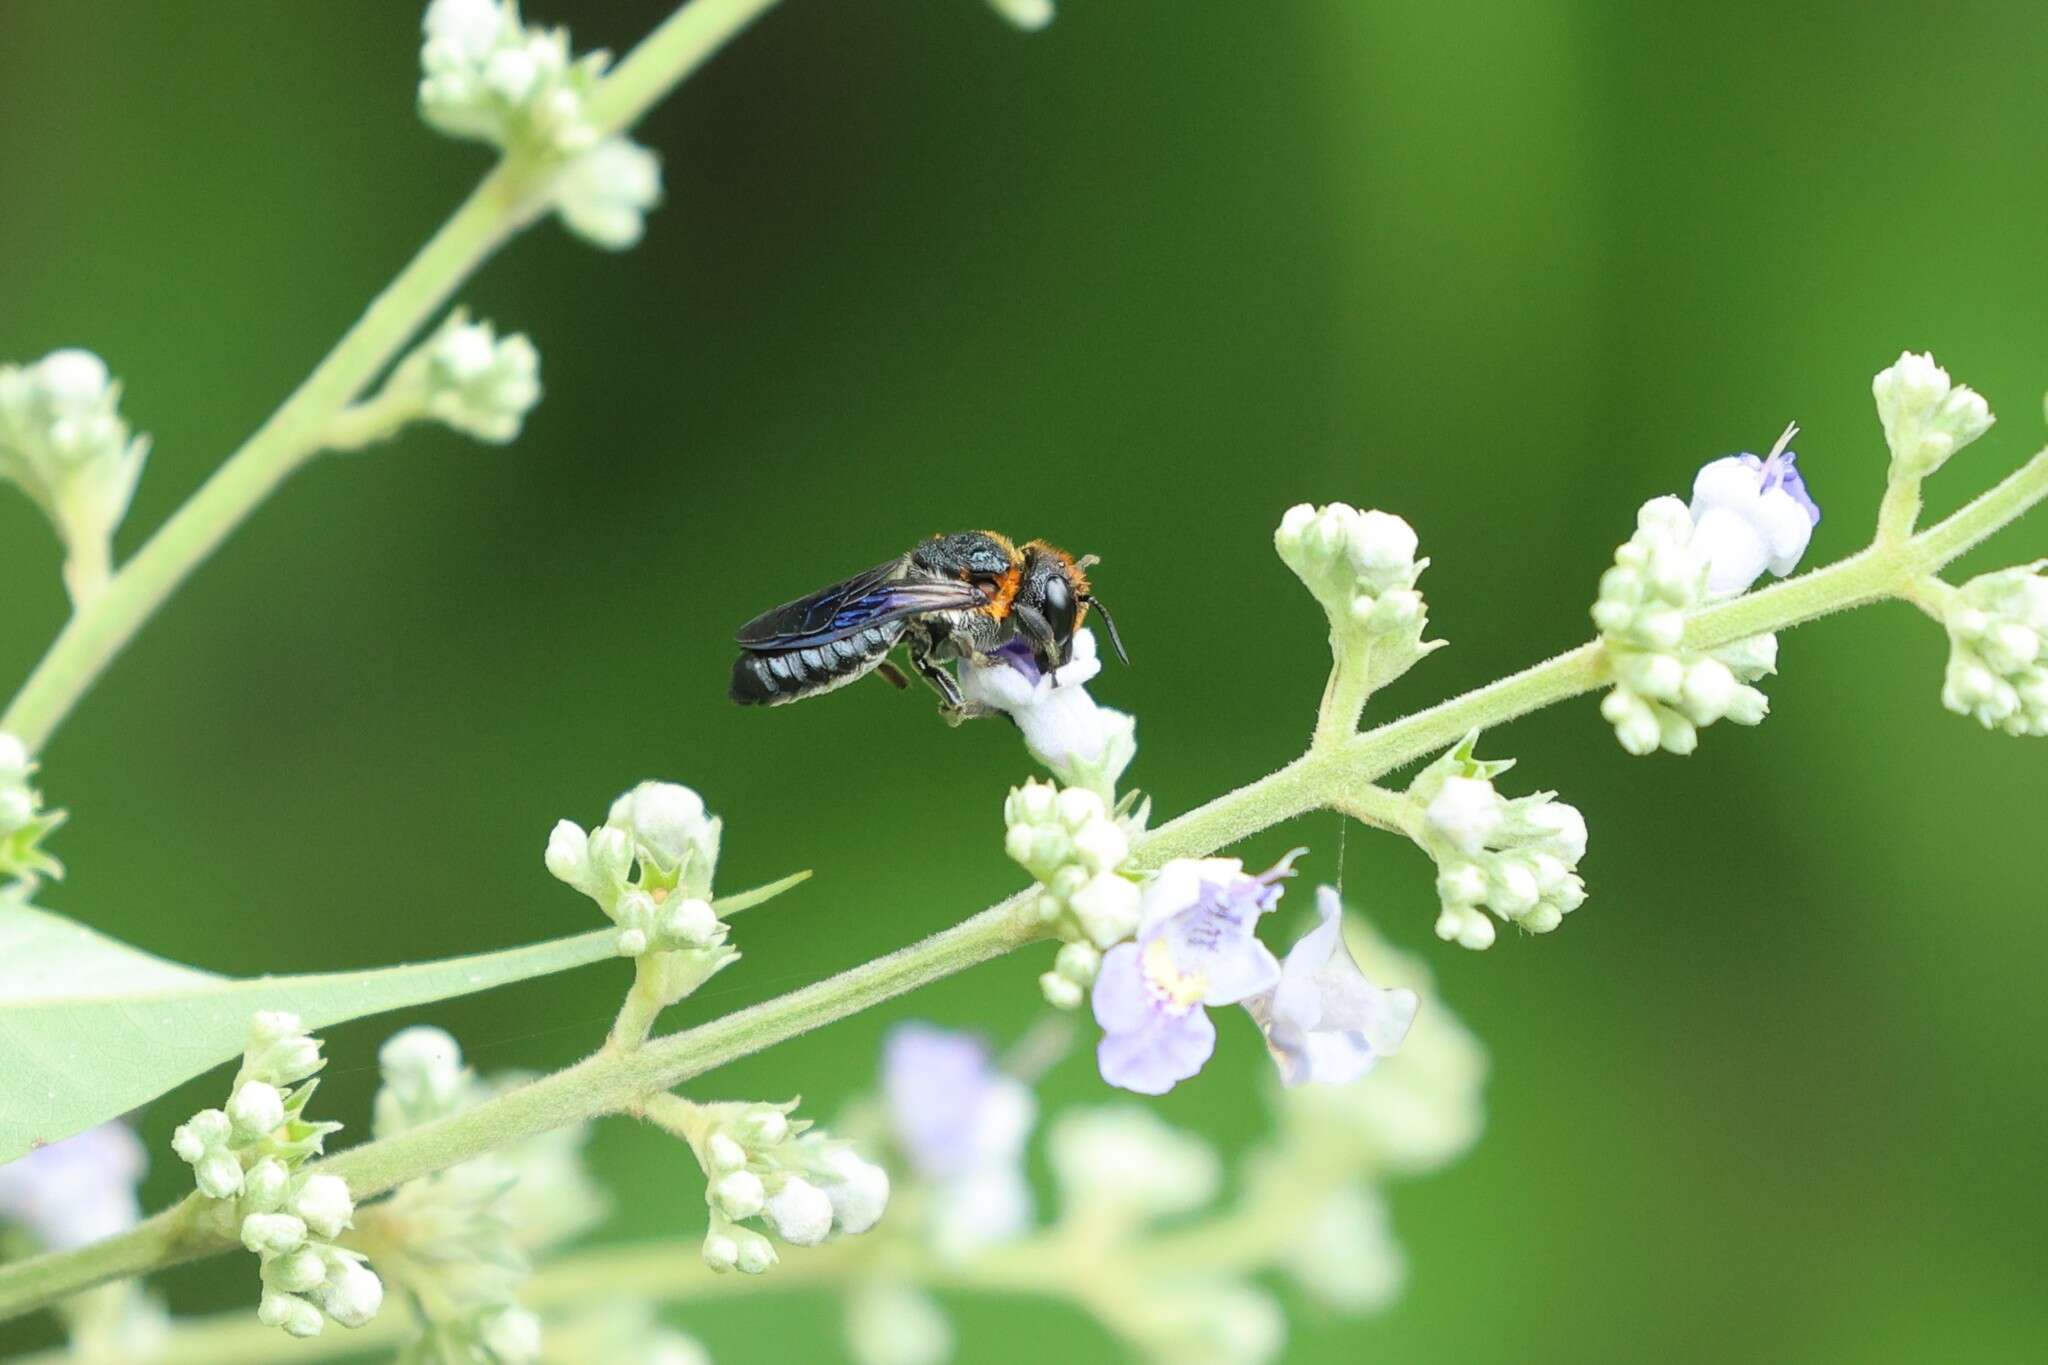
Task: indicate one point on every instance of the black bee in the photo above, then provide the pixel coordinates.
(972, 595)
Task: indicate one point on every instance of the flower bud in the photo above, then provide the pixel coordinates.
(799, 1212)
(354, 1295)
(323, 1202)
(255, 1110)
(739, 1194)
(273, 1234)
(294, 1314)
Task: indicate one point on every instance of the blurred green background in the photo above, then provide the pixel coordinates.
(1135, 284)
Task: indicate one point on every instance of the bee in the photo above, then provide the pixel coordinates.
(972, 596)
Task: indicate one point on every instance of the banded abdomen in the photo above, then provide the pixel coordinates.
(770, 677)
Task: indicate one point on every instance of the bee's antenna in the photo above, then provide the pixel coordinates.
(1115, 640)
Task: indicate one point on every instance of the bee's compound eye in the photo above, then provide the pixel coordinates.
(1059, 598)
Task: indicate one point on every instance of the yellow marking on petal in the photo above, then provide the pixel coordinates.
(1181, 989)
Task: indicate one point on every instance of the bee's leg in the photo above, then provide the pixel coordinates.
(954, 707)
(893, 674)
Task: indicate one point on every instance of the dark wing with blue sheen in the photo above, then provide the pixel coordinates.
(866, 599)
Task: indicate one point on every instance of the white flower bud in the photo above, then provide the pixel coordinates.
(668, 824)
(354, 1295)
(756, 1254)
(296, 1272)
(1061, 992)
(858, 1190)
(692, 922)
(218, 1175)
(766, 1125)
(1107, 908)
(725, 1154)
(200, 1134)
(289, 1311)
(1078, 963)
(721, 1253)
(323, 1202)
(611, 856)
(264, 1186)
(1466, 812)
(739, 1194)
(273, 1234)
(255, 1110)
(568, 855)
(799, 1212)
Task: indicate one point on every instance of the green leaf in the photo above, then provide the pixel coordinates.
(91, 1027)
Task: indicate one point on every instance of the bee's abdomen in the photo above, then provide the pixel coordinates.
(771, 677)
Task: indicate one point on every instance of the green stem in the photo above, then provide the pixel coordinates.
(507, 200)
(1900, 510)
(2014, 496)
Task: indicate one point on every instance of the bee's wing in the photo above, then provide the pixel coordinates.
(866, 599)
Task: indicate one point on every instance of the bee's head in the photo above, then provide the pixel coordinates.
(1053, 597)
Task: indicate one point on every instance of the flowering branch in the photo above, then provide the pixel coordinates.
(1330, 775)
(509, 199)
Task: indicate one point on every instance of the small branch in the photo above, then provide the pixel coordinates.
(374, 420)
(509, 199)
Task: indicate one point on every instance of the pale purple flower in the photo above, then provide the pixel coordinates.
(962, 1125)
(1324, 1021)
(1750, 515)
(1197, 946)
(75, 1191)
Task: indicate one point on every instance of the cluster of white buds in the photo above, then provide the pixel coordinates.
(477, 382)
(489, 76)
(248, 1158)
(24, 824)
(1663, 693)
(649, 868)
(759, 1163)
(1073, 844)
(1513, 857)
(1926, 417)
(1362, 567)
(63, 441)
(604, 195)
(1998, 650)
(459, 1241)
